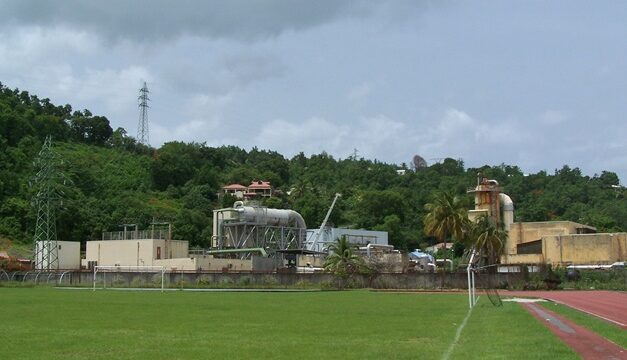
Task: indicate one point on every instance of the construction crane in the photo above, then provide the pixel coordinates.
(313, 244)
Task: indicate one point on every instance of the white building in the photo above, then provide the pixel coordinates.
(354, 236)
(136, 252)
(69, 255)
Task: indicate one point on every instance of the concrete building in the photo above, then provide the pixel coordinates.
(559, 243)
(563, 243)
(136, 252)
(329, 235)
(69, 254)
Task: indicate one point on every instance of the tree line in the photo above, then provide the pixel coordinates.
(115, 180)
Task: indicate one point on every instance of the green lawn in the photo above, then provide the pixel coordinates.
(79, 324)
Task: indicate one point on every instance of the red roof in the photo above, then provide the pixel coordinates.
(234, 187)
(260, 185)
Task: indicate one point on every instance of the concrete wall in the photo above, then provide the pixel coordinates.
(178, 249)
(522, 259)
(179, 264)
(585, 249)
(313, 260)
(209, 263)
(205, 263)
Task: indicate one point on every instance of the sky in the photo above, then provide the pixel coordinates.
(536, 84)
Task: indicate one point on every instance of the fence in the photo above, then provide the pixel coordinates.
(136, 235)
(426, 281)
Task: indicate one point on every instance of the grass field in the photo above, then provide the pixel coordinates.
(80, 324)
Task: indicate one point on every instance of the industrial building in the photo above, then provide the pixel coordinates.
(559, 243)
(257, 227)
(67, 255)
(319, 241)
(246, 238)
(563, 243)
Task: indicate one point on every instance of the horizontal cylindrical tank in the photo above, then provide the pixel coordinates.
(266, 216)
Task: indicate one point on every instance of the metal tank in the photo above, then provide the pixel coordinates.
(245, 227)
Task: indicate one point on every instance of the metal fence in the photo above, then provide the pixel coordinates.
(136, 235)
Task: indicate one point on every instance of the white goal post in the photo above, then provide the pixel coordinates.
(127, 269)
(472, 297)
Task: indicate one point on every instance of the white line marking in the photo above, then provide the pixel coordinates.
(591, 313)
(458, 333)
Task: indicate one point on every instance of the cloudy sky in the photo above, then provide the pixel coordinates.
(534, 84)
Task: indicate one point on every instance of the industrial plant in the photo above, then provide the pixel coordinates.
(252, 238)
(559, 243)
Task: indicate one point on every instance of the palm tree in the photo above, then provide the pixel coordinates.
(446, 216)
(342, 261)
(488, 239)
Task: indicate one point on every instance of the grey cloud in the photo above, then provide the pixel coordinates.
(243, 20)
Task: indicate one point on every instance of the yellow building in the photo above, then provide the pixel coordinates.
(562, 243)
(559, 243)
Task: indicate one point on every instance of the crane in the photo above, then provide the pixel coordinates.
(313, 244)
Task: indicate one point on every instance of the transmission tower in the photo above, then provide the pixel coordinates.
(143, 133)
(47, 182)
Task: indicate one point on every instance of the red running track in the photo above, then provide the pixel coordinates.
(607, 305)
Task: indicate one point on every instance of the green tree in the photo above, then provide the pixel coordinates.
(446, 216)
(488, 239)
(342, 261)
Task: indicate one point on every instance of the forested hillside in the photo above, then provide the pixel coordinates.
(115, 180)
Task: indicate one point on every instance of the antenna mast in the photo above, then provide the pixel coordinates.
(143, 134)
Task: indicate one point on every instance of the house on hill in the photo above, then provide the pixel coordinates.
(256, 189)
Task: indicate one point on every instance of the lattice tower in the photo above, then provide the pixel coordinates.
(47, 183)
(143, 133)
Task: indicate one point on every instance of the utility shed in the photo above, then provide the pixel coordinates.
(69, 253)
(136, 252)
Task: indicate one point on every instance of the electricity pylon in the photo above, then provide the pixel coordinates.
(47, 182)
(143, 133)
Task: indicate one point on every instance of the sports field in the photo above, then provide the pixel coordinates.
(51, 323)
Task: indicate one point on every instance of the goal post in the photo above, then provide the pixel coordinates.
(104, 270)
(472, 297)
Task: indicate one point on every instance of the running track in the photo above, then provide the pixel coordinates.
(608, 305)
